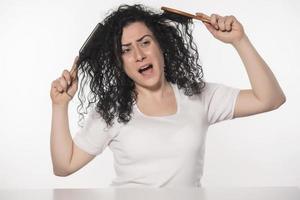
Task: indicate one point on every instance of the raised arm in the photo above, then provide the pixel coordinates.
(66, 156)
(265, 93)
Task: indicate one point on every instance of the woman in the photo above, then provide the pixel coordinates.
(150, 104)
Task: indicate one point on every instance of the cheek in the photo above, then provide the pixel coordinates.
(156, 55)
(126, 64)
(128, 69)
(126, 61)
(160, 58)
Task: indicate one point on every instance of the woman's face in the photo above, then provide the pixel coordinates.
(142, 58)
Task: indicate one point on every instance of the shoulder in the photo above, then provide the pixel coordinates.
(210, 89)
(220, 90)
(93, 121)
(215, 94)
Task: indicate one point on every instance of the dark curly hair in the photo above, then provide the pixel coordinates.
(112, 92)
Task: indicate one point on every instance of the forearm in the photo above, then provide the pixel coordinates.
(61, 140)
(263, 82)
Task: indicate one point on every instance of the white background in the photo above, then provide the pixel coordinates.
(39, 39)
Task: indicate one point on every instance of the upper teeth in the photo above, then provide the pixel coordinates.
(145, 66)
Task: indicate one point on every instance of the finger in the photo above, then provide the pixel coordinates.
(214, 21)
(56, 85)
(228, 23)
(73, 71)
(66, 74)
(204, 17)
(211, 29)
(63, 83)
(221, 23)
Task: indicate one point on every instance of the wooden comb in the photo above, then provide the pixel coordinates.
(201, 16)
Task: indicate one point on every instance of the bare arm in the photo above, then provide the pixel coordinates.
(265, 93)
(66, 156)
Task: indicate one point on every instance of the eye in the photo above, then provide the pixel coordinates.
(125, 51)
(145, 43)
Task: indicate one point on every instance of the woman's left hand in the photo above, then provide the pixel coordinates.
(226, 29)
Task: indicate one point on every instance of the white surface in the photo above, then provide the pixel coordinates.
(267, 193)
(40, 38)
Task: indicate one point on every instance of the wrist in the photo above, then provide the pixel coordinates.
(244, 40)
(60, 106)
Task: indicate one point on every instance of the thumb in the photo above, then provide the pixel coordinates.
(72, 88)
(210, 28)
(74, 69)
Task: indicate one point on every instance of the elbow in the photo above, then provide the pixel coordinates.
(279, 101)
(61, 172)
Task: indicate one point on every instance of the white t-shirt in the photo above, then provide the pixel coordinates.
(165, 151)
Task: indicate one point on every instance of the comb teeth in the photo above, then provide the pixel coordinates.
(88, 46)
(176, 17)
(91, 37)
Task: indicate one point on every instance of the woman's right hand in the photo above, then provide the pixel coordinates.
(64, 88)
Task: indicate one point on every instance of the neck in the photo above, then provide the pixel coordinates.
(157, 92)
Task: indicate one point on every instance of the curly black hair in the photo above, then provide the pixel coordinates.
(112, 92)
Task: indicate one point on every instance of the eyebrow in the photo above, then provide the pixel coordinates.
(138, 40)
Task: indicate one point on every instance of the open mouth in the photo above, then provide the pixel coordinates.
(145, 69)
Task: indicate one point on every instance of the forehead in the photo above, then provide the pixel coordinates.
(134, 31)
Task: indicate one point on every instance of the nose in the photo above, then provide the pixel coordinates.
(139, 54)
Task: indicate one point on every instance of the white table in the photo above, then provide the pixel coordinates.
(213, 193)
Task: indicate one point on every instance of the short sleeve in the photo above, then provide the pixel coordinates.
(219, 102)
(93, 137)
